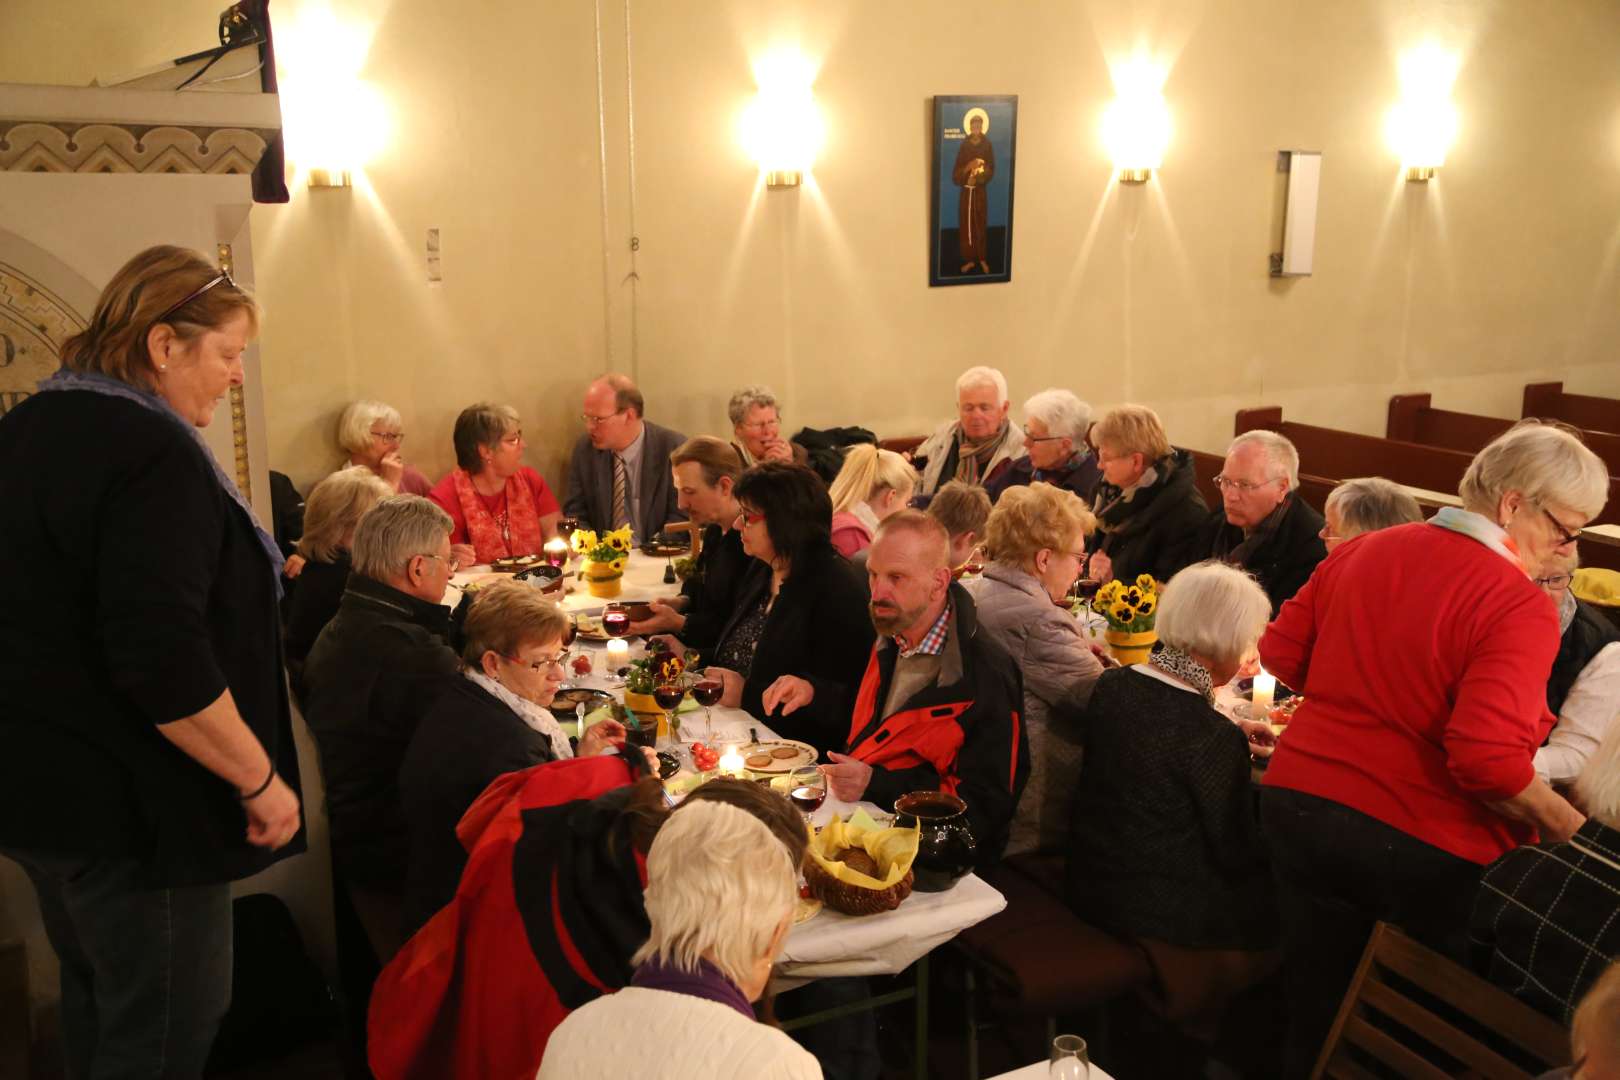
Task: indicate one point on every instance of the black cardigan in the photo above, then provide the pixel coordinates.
(1285, 560)
(712, 594)
(467, 739)
(1166, 842)
(372, 675)
(1160, 530)
(310, 607)
(819, 630)
(136, 593)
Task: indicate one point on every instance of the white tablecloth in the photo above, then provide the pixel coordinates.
(643, 580)
(1041, 1070)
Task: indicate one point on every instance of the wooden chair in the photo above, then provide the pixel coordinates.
(903, 443)
(694, 531)
(1383, 1022)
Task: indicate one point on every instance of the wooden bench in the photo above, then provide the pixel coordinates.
(1412, 419)
(1582, 410)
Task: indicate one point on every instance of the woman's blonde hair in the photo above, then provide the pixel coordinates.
(354, 426)
(334, 510)
(1030, 518)
(719, 883)
(867, 471)
(508, 617)
(1214, 610)
(1545, 463)
(1132, 429)
(140, 296)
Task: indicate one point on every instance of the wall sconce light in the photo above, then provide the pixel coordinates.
(334, 121)
(782, 128)
(1421, 126)
(1136, 124)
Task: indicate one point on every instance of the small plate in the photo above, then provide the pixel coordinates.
(589, 628)
(513, 563)
(660, 550)
(779, 763)
(569, 696)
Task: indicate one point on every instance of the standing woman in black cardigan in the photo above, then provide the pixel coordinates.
(146, 753)
(802, 610)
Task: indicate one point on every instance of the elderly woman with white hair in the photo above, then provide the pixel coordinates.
(1263, 526)
(979, 443)
(872, 485)
(1422, 652)
(1036, 542)
(756, 421)
(331, 515)
(721, 893)
(1055, 450)
(1543, 924)
(1166, 847)
(1365, 504)
(371, 433)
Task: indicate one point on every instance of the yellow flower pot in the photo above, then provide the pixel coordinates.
(602, 580)
(1130, 648)
(643, 704)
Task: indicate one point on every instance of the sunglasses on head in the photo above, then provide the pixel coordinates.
(209, 284)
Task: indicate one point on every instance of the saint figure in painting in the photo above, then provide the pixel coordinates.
(975, 168)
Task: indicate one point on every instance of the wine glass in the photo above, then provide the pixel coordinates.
(668, 694)
(807, 790)
(707, 692)
(1069, 1060)
(616, 620)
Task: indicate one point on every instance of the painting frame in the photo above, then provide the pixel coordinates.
(970, 219)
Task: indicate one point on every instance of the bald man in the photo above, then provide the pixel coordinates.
(619, 472)
(938, 708)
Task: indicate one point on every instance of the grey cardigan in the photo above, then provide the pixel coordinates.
(1059, 670)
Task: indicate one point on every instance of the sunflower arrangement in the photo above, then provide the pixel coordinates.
(611, 549)
(1129, 608)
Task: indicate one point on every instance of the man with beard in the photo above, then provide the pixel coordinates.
(938, 708)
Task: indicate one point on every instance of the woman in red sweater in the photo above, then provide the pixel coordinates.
(1423, 652)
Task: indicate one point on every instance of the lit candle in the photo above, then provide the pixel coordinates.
(557, 552)
(731, 762)
(618, 651)
(1265, 689)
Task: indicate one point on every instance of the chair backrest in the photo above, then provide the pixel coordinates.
(693, 530)
(901, 444)
(1383, 1020)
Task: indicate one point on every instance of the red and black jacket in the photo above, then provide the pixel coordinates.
(963, 735)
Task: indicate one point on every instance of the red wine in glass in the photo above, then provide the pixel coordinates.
(566, 527)
(808, 799)
(616, 622)
(708, 691)
(668, 695)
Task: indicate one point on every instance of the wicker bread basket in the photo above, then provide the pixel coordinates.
(854, 899)
(844, 889)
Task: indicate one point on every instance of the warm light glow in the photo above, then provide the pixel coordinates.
(1136, 125)
(1265, 690)
(782, 129)
(731, 762)
(333, 119)
(1421, 126)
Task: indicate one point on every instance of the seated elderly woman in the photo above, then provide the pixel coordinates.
(1410, 764)
(492, 720)
(1055, 450)
(721, 893)
(1365, 504)
(979, 443)
(561, 845)
(757, 423)
(802, 610)
(1036, 548)
(872, 485)
(331, 514)
(1166, 846)
(371, 433)
(1583, 690)
(1148, 509)
(1544, 919)
(964, 510)
(500, 507)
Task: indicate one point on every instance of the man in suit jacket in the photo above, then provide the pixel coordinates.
(619, 473)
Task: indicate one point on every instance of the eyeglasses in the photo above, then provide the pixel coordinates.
(450, 560)
(395, 437)
(1028, 438)
(559, 660)
(762, 425)
(1242, 487)
(209, 284)
(513, 439)
(1555, 582)
(1565, 536)
(748, 518)
(592, 421)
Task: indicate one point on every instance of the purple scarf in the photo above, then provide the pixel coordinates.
(706, 982)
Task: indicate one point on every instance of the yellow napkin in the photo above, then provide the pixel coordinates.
(892, 849)
(1597, 586)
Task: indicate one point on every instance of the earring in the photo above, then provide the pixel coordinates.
(163, 367)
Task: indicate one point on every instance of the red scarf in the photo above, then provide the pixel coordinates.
(519, 534)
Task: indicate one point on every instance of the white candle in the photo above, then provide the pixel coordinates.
(731, 762)
(1265, 689)
(618, 651)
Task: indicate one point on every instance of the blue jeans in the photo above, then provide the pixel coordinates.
(145, 973)
(1338, 872)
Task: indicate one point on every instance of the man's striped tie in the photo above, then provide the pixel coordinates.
(621, 488)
